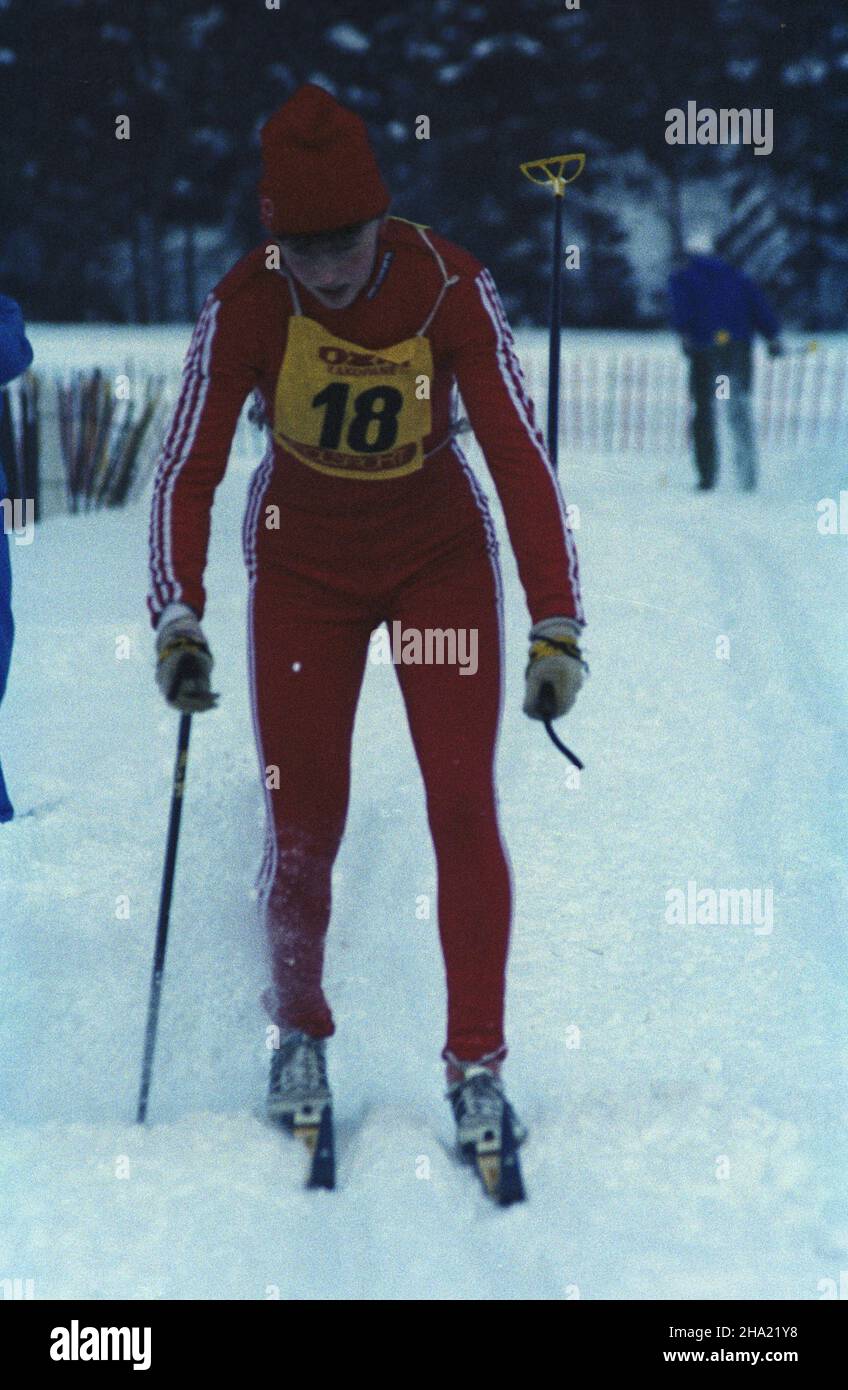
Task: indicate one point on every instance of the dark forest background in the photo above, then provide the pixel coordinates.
(92, 227)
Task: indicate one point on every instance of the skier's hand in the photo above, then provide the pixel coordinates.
(555, 670)
(775, 347)
(183, 660)
(686, 347)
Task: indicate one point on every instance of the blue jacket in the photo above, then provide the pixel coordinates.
(15, 351)
(15, 354)
(709, 297)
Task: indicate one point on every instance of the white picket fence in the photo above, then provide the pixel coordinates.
(616, 401)
(633, 402)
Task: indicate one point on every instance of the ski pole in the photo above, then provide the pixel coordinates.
(164, 915)
(552, 177)
(547, 700)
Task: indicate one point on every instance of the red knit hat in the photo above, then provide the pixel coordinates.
(319, 171)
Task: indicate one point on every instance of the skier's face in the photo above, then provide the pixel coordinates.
(334, 266)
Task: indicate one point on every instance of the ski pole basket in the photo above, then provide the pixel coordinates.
(551, 171)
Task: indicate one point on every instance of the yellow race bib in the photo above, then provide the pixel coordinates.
(351, 411)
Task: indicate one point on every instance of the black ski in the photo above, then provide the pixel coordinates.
(322, 1169)
(318, 1135)
(499, 1167)
(511, 1185)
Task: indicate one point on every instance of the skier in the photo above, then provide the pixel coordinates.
(351, 328)
(716, 310)
(15, 356)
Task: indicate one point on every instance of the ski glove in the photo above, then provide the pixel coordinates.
(775, 347)
(183, 660)
(555, 670)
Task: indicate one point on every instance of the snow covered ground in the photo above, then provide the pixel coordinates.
(685, 1084)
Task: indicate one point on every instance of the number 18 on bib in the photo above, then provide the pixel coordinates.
(345, 410)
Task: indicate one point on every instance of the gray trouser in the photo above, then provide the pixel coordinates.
(732, 360)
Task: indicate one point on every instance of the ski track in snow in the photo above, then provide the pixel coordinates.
(701, 1048)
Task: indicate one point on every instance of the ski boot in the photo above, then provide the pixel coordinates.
(300, 1100)
(488, 1131)
(297, 1088)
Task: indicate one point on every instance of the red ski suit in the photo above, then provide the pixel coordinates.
(354, 520)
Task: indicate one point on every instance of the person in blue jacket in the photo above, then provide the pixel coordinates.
(15, 357)
(716, 310)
